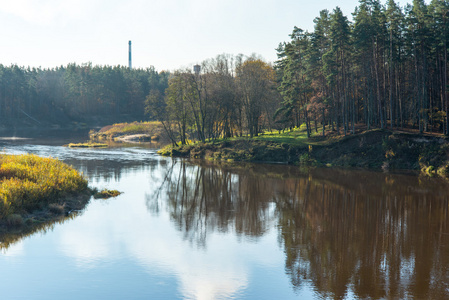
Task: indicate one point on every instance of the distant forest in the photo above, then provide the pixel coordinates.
(75, 92)
(385, 69)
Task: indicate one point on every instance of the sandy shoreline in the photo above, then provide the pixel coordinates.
(134, 138)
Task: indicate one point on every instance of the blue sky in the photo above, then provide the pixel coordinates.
(166, 34)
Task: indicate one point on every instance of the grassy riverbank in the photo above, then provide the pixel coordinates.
(130, 132)
(374, 149)
(36, 189)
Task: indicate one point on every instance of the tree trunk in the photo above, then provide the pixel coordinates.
(391, 79)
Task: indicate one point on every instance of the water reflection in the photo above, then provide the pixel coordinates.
(366, 234)
(209, 198)
(382, 238)
(96, 164)
(14, 235)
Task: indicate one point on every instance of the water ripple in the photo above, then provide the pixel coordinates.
(64, 153)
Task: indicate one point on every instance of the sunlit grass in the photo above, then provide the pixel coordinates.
(87, 145)
(134, 127)
(296, 136)
(29, 182)
(153, 129)
(105, 194)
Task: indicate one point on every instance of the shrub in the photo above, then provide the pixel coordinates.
(443, 170)
(104, 194)
(56, 208)
(15, 220)
(165, 151)
(305, 159)
(428, 170)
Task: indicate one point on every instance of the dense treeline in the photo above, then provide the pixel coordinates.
(226, 96)
(387, 68)
(75, 91)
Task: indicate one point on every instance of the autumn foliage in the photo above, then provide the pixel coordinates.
(29, 182)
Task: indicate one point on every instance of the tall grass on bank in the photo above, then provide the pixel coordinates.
(111, 131)
(29, 182)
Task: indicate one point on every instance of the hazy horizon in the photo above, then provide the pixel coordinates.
(167, 35)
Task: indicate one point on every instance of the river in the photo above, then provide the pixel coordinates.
(194, 230)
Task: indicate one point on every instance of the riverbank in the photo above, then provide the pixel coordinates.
(135, 132)
(36, 190)
(374, 149)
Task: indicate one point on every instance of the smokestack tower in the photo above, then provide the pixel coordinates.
(129, 56)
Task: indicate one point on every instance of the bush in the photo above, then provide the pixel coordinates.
(56, 208)
(428, 170)
(443, 170)
(15, 220)
(105, 194)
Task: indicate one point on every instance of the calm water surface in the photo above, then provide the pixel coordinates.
(192, 230)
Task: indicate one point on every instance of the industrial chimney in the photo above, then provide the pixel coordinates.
(130, 61)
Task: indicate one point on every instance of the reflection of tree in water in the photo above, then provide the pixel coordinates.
(8, 238)
(111, 170)
(386, 238)
(370, 234)
(204, 199)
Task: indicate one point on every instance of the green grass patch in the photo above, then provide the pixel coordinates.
(294, 137)
(166, 150)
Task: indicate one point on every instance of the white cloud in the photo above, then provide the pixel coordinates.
(202, 274)
(220, 270)
(15, 250)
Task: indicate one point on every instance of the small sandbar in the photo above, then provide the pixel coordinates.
(134, 138)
